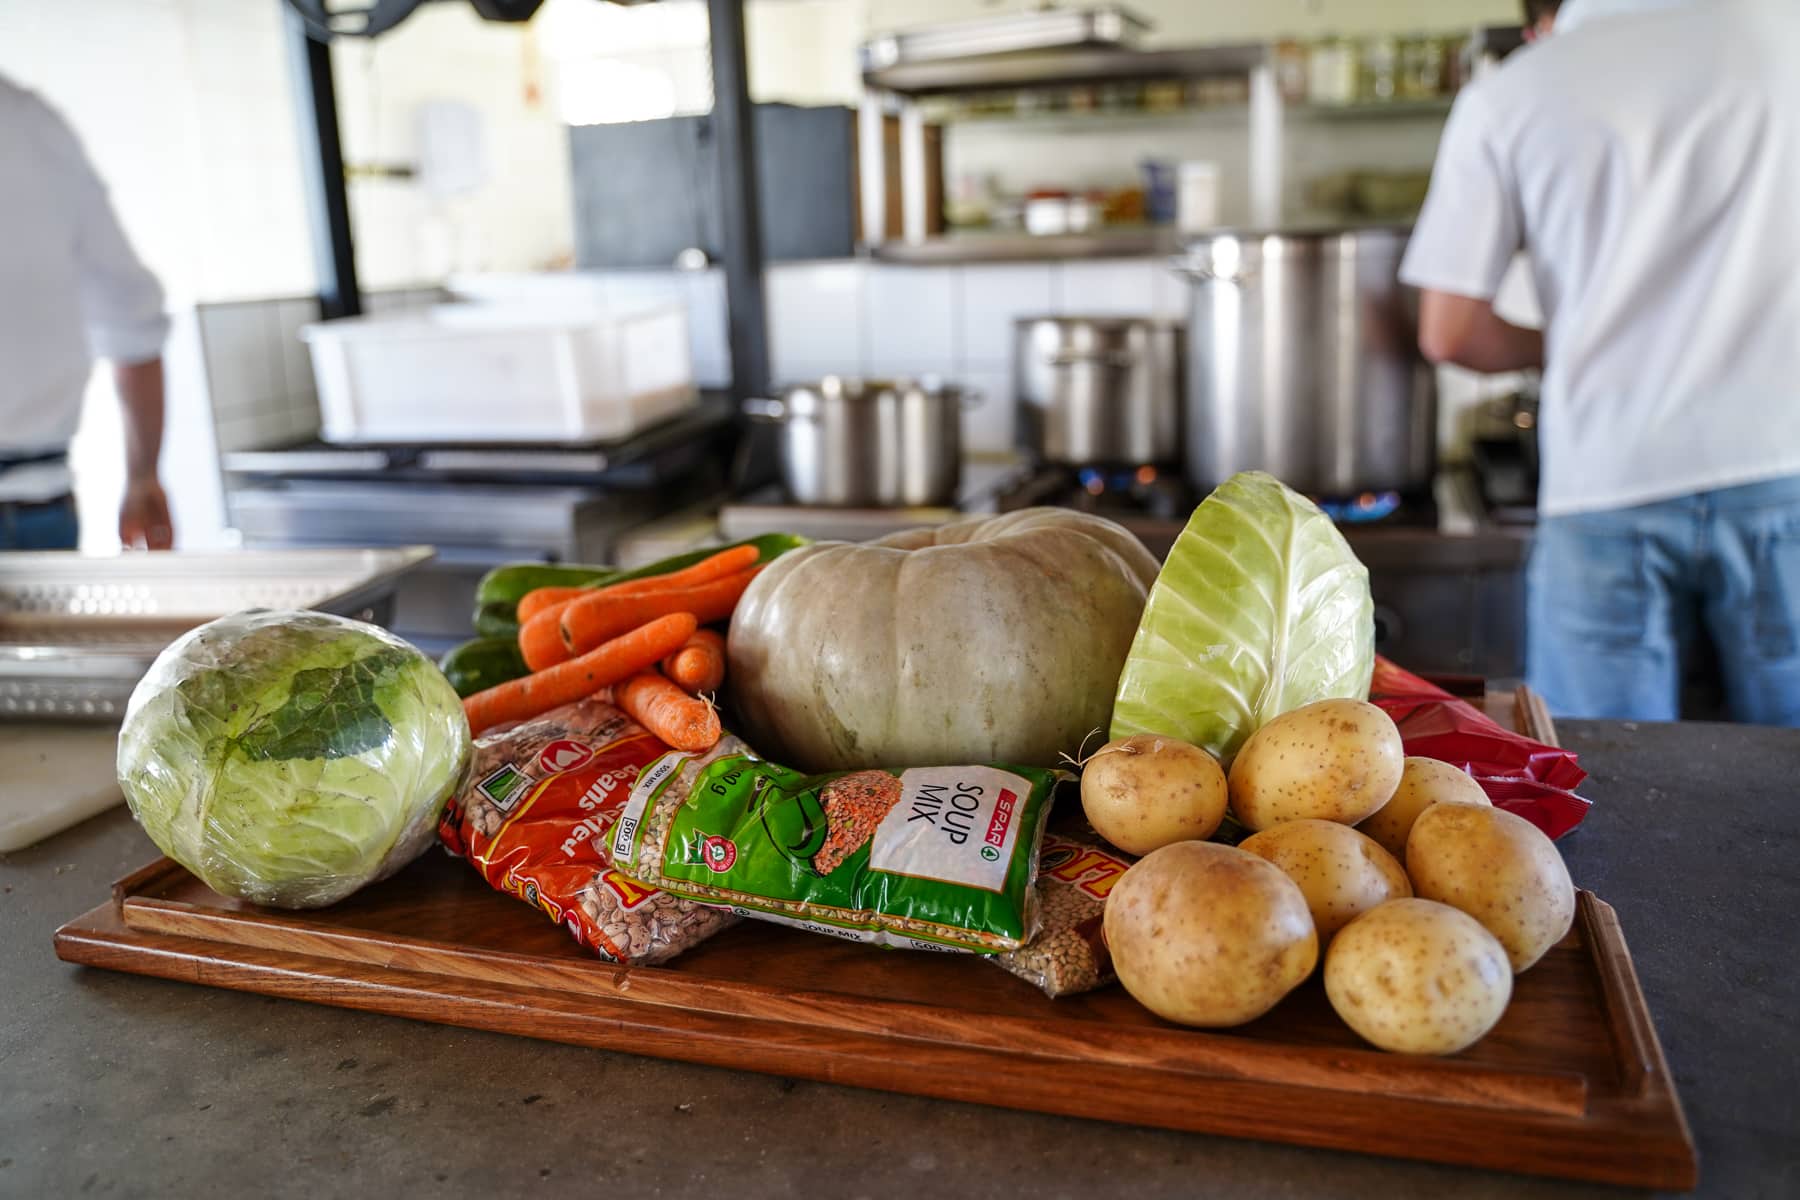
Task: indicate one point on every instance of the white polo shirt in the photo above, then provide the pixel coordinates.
(71, 290)
(1647, 157)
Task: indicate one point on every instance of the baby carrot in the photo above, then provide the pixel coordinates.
(540, 639)
(537, 600)
(698, 666)
(593, 619)
(681, 721)
(565, 683)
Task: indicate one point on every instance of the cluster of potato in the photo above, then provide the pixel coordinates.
(1419, 958)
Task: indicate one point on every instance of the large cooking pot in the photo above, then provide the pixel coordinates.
(1099, 390)
(1303, 361)
(868, 443)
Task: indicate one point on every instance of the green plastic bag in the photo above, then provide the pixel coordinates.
(929, 858)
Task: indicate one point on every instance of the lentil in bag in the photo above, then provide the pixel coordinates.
(1076, 871)
(534, 818)
(931, 858)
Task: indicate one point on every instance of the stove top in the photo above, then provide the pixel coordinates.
(1153, 503)
(1146, 493)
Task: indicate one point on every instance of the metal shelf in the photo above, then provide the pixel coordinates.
(982, 246)
(1077, 65)
(1098, 120)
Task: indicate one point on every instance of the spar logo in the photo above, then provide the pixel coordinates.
(563, 755)
(718, 853)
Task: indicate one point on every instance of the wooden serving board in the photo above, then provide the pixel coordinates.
(1572, 1082)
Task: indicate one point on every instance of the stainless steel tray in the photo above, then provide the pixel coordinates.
(77, 633)
(1107, 25)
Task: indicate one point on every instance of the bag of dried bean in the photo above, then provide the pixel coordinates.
(534, 820)
(1076, 871)
(931, 858)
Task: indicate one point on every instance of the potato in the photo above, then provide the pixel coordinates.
(1144, 792)
(1497, 867)
(1418, 977)
(1341, 873)
(1206, 934)
(1333, 760)
(1423, 783)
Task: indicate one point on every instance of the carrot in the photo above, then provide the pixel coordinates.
(541, 641)
(682, 721)
(698, 666)
(565, 683)
(725, 562)
(537, 600)
(593, 619)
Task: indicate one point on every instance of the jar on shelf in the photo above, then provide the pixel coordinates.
(1422, 68)
(1291, 70)
(1380, 69)
(1331, 72)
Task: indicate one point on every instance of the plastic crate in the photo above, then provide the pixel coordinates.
(500, 373)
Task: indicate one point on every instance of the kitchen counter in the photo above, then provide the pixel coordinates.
(125, 1086)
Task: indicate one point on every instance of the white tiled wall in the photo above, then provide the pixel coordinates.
(259, 379)
(914, 321)
(954, 322)
(816, 319)
(993, 297)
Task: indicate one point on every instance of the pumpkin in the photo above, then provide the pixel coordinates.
(993, 640)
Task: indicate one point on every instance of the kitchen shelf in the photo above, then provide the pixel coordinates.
(1072, 66)
(1112, 120)
(982, 246)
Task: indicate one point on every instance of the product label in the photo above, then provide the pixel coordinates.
(929, 856)
(1087, 869)
(952, 824)
(660, 772)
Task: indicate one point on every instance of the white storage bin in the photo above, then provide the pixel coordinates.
(501, 373)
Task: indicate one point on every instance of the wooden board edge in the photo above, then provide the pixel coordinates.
(1343, 1070)
(145, 878)
(1531, 716)
(1634, 1156)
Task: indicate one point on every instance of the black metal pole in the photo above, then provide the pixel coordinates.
(741, 250)
(322, 170)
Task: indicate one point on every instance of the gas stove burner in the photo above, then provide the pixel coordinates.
(1138, 490)
(1361, 509)
(1096, 481)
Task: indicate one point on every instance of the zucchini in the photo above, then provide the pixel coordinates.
(507, 583)
(498, 594)
(496, 621)
(483, 663)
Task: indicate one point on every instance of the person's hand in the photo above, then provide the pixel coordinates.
(144, 517)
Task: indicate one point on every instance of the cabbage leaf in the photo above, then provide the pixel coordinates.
(1260, 608)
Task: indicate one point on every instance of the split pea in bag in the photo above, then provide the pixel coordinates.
(931, 858)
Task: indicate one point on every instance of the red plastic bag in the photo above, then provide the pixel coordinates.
(1519, 774)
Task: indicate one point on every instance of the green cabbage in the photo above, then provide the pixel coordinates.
(290, 758)
(1260, 608)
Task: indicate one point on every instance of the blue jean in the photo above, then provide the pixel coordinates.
(48, 526)
(1616, 598)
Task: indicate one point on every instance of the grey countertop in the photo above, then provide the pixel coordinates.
(116, 1085)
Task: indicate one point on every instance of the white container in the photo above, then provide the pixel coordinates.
(1197, 197)
(501, 373)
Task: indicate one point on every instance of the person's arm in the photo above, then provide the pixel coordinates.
(1463, 242)
(144, 512)
(1467, 332)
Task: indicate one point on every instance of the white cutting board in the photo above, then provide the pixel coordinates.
(53, 775)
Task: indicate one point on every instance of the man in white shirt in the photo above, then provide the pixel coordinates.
(1646, 156)
(71, 290)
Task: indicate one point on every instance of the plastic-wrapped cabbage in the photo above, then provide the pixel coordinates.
(290, 758)
(1261, 607)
